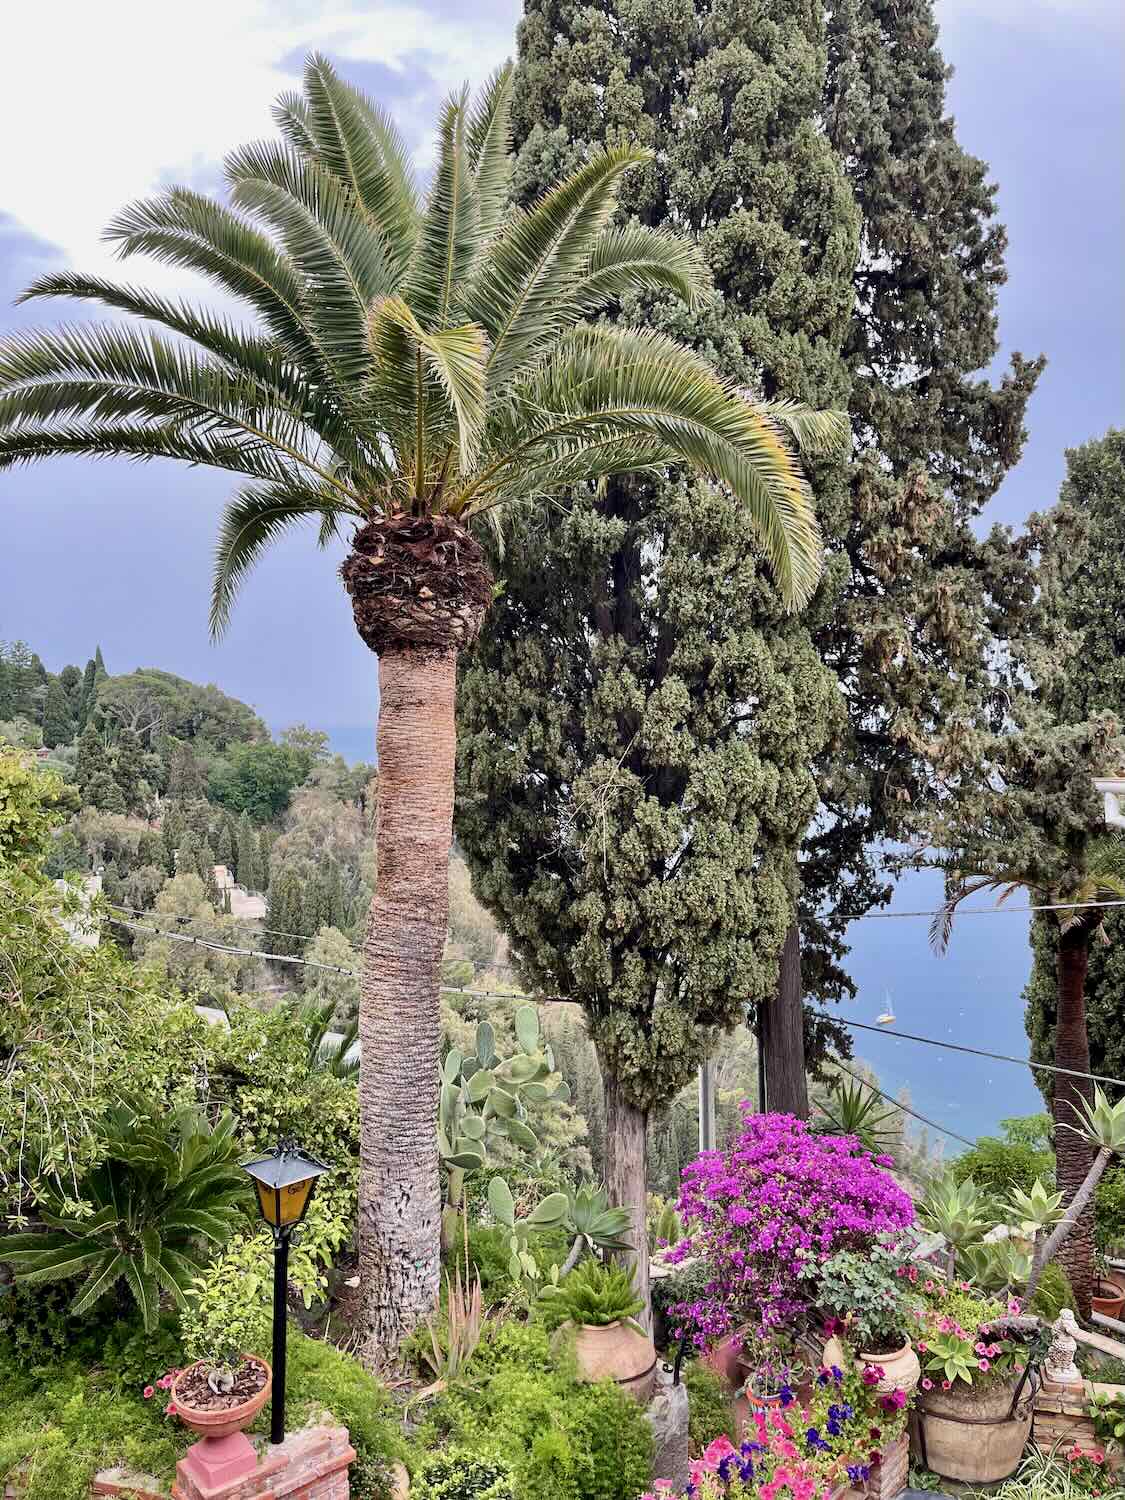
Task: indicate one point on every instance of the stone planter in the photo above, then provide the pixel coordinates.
(972, 1435)
(901, 1370)
(621, 1352)
(221, 1424)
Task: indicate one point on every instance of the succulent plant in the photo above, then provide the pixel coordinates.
(485, 1099)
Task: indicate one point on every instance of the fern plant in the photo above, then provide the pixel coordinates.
(597, 1295)
(165, 1190)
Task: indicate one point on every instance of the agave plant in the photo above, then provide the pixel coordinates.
(164, 1191)
(411, 366)
(956, 1210)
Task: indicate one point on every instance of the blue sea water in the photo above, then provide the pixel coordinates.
(971, 995)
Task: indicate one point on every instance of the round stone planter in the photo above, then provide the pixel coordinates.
(231, 1419)
(621, 1352)
(972, 1435)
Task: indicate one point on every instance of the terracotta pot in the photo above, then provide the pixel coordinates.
(1111, 1297)
(220, 1424)
(621, 1352)
(901, 1370)
(966, 1433)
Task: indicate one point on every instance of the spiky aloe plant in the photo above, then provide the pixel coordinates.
(412, 365)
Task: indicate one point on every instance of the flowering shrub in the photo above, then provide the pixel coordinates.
(801, 1452)
(864, 1295)
(1088, 1471)
(776, 1198)
(161, 1391)
(955, 1339)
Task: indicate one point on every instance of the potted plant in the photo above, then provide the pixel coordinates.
(773, 1373)
(972, 1415)
(222, 1393)
(1110, 1298)
(600, 1303)
(869, 1301)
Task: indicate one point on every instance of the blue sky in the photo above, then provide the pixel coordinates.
(144, 95)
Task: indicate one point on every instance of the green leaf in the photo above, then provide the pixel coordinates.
(527, 1028)
(522, 1135)
(109, 1270)
(449, 235)
(501, 1203)
(145, 1292)
(550, 1212)
(478, 1086)
(486, 1044)
(502, 1103)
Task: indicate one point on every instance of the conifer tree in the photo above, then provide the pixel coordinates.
(630, 820)
(172, 830)
(224, 844)
(247, 860)
(86, 697)
(129, 769)
(92, 762)
(58, 725)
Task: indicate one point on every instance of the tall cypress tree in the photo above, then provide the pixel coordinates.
(920, 597)
(1089, 520)
(247, 862)
(86, 698)
(638, 720)
(58, 725)
(129, 768)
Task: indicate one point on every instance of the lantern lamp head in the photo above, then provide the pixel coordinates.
(285, 1180)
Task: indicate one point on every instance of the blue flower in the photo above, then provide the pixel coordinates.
(786, 1396)
(848, 1411)
(815, 1440)
(822, 1378)
(746, 1471)
(837, 1374)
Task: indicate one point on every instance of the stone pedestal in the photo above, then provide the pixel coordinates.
(310, 1465)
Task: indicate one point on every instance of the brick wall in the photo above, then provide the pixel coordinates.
(890, 1477)
(310, 1465)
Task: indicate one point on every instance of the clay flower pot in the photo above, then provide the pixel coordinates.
(901, 1370)
(621, 1352)
(1111, 1297)
(229, 1420)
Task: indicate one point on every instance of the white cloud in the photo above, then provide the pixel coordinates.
(104, 103)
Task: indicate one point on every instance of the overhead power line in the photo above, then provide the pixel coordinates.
(933, 1124)
(1023, 1062)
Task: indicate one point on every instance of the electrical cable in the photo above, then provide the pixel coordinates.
(929, 1041)
(905, 1107)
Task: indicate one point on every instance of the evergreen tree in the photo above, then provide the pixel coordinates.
(86, 699)
(71, 679)
(172, 830)
(629, 818)
(92, 763)
(285, 918)
(58, 725)
(1090, 518)
(920, 597)
(224, 844)
(247, 855)
(102, 792)
(129, 769)
(265, 846)
(185, 775)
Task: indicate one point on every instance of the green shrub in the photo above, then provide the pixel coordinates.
(710, 1411)
(1053, 1293)
(489, 1256)
(997, 1166)
(1109, 1210)
(523, 1407)
(462, 1476)
(597, 1295)
(323, 1378)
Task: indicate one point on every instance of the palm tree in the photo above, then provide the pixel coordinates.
(413, 366)
(1100, 878)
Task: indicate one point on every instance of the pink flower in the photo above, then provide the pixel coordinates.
(946, 1385)
(927, 1383)
(922, 1346)
(929, 1286)
(982, 1364)
(980, 1347)
(148, 1392)
(170, 1409)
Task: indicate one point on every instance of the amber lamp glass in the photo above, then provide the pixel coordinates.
(285, 1181)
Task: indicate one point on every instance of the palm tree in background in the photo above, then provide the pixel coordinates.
(412, 366)
(1098, 875)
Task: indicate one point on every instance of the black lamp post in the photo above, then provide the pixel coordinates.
(285, 1181)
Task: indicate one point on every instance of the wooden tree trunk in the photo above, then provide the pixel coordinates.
(1073, 1153)
(783, 1035)
(626, 1145)
(399, 1024)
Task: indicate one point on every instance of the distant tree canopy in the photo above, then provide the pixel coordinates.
(258, 779)
(154, 703)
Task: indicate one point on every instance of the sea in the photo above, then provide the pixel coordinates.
(970, 996)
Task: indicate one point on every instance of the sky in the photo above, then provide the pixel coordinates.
(112, 102)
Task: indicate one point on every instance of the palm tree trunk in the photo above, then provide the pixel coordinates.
(400, 1028)
(1058, 1237)
(783, 1035)
(1073, 1153)
(626, 1145)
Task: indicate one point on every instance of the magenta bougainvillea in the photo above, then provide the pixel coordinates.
(758, 1211)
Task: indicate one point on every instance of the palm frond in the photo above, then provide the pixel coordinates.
(817, 434)
(489, 140)
(455, 358)
(449, 237)
(361, 148)
(636, 259)
(956, 891)
(182, 228)
(523, 294)
(343, 259)
(604, 381)
(256, 518)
